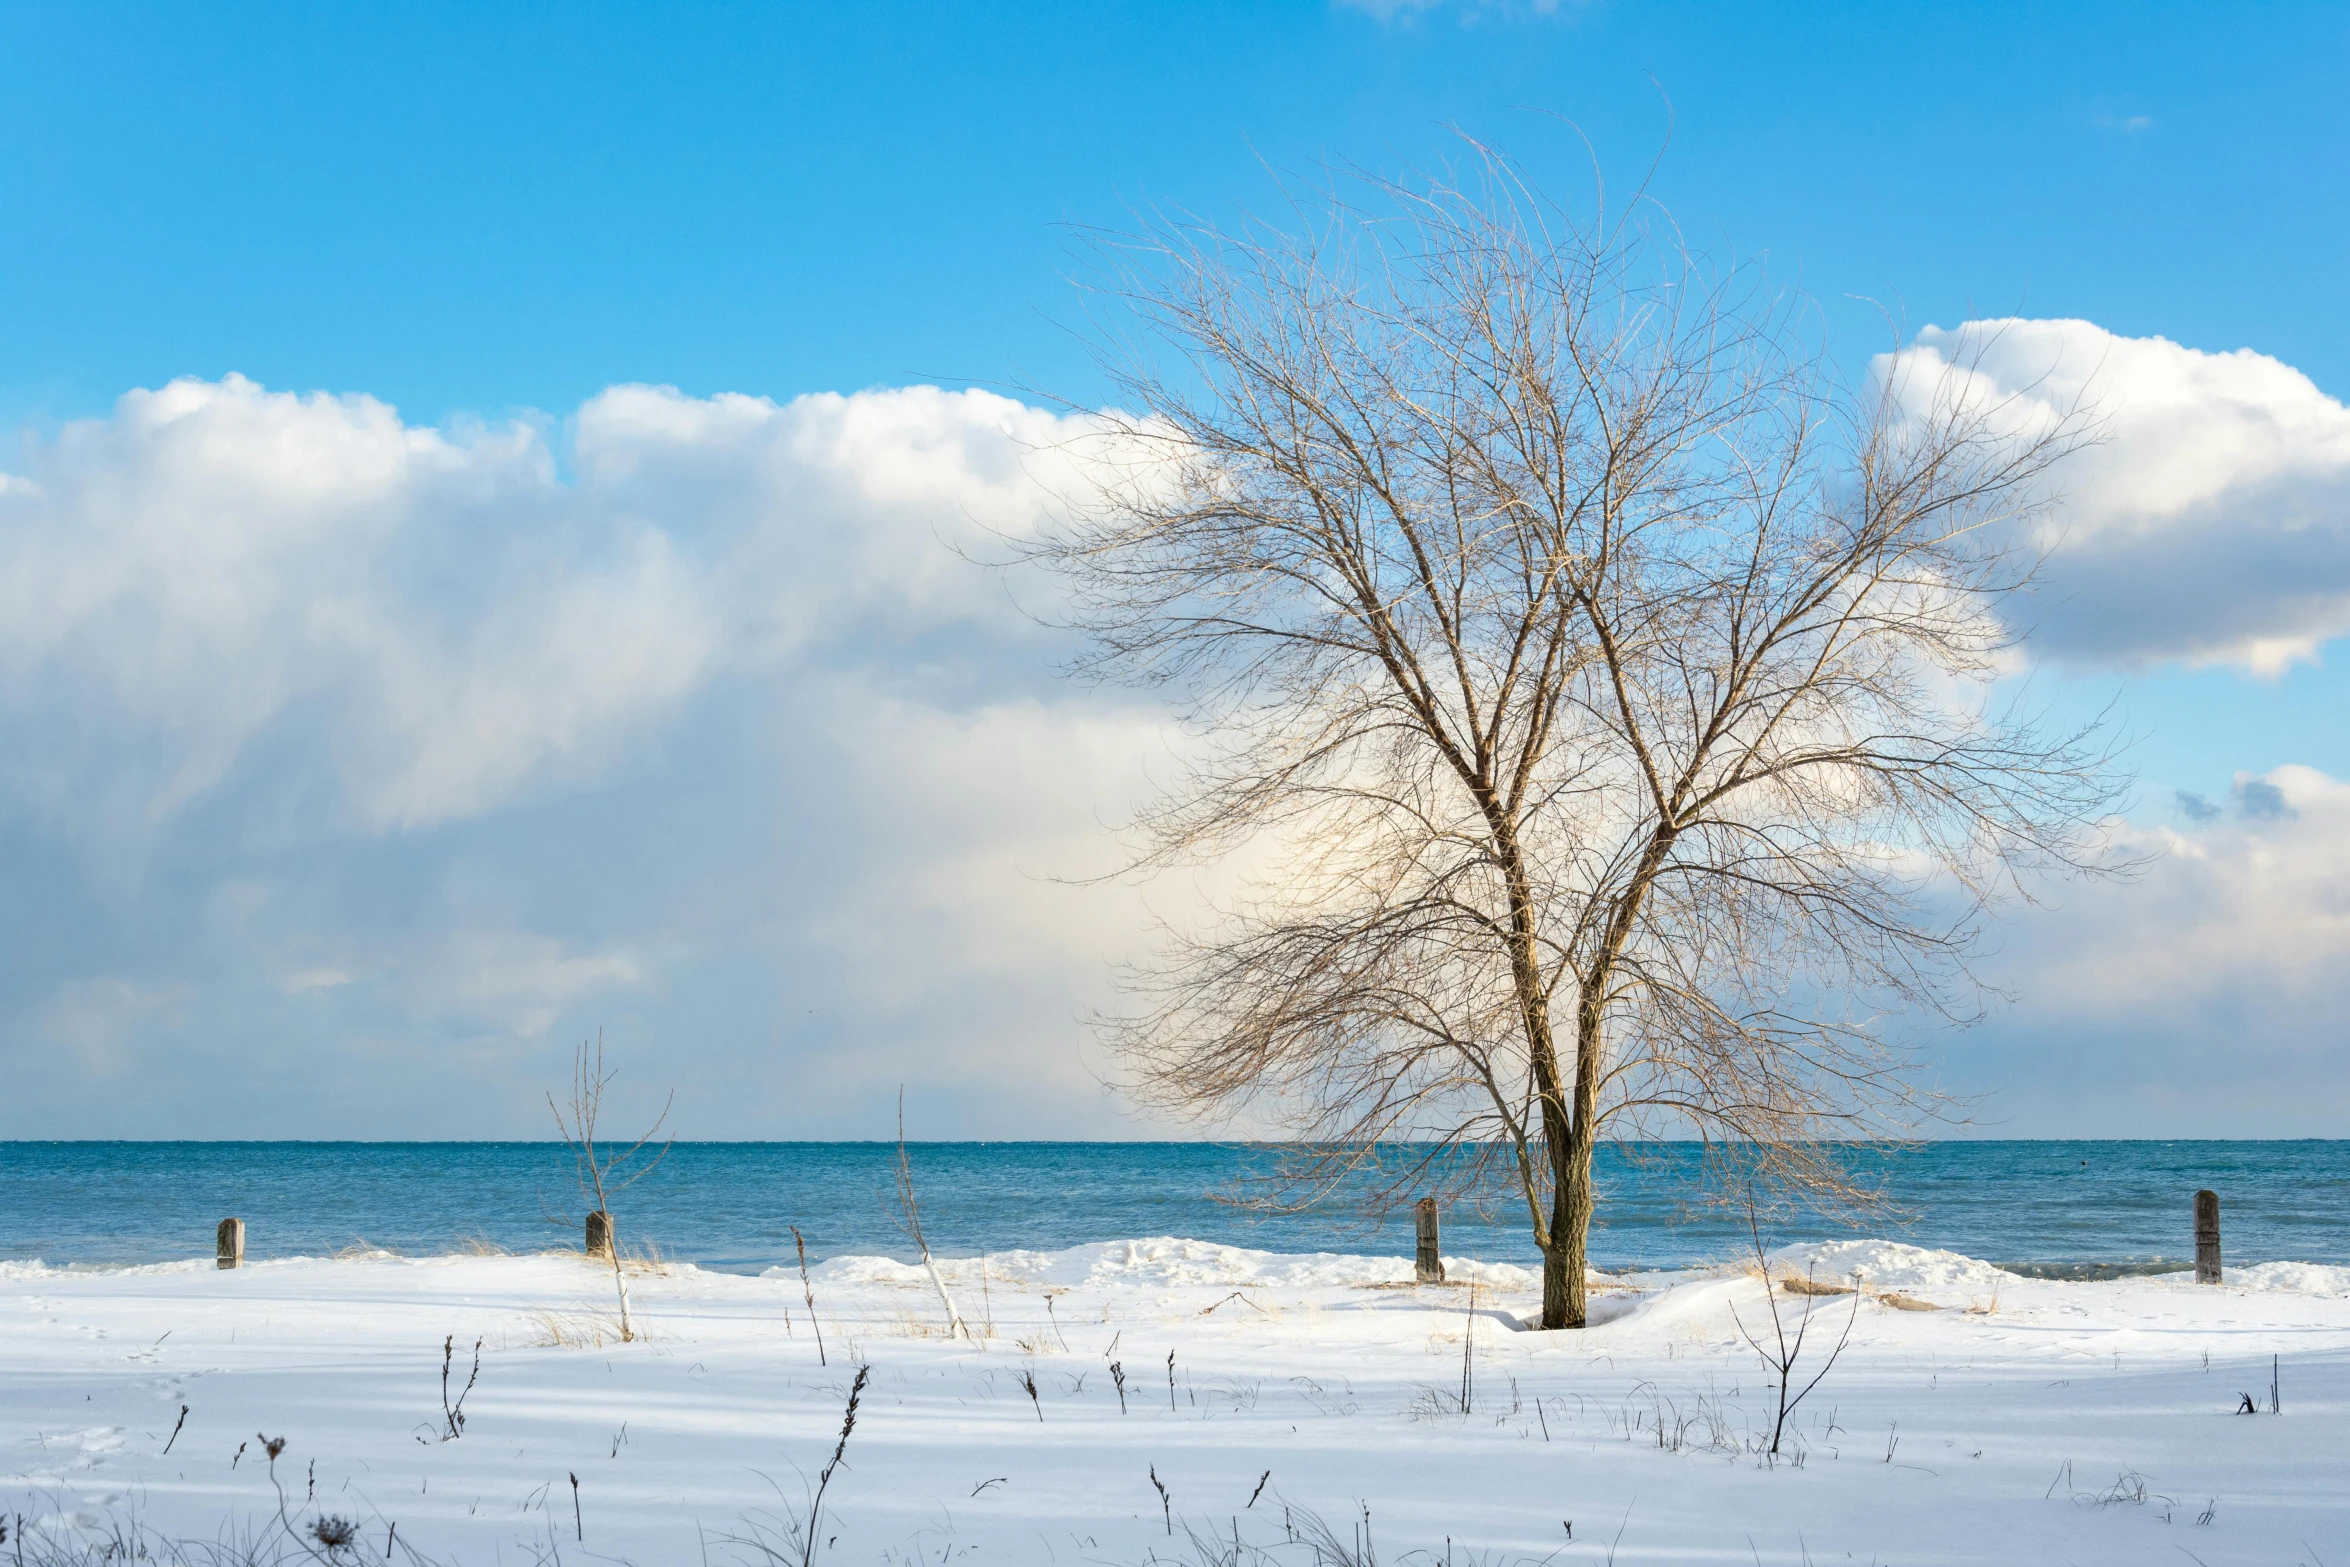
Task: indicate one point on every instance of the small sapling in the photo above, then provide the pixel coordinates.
(453, 1415)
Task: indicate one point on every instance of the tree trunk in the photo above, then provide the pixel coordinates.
(1560, 1240)
(1566, 1260)
(1572, 1131)
(955, 1328)
(1572, 1138)
(1562, 1302)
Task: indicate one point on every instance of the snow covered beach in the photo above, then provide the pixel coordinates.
(2019, 1421)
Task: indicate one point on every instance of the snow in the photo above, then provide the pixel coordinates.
(1166, 1261)
(2018, 1421)
(1888, 1265)
(2294, 1278)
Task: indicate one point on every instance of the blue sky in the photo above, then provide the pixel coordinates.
(481, 208)
(486, 216)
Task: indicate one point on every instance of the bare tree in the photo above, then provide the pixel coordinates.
(1601, 689)
(603, 1171)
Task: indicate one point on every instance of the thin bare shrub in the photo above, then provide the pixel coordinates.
(452, 1414)
(1784, 1354)
(602, 1171)
(909, 1217)
(1594, 691)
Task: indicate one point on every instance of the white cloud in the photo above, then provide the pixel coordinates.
(216, 561)
(2211, 526)
(2257, 894)
(431, 751)
(398, 756)
(2206, 997)
(454, 625)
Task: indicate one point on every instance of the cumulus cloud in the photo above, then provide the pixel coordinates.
(2211, 525)
(215, 562)
(456, 624)
(2205, 998)
(379, 746)
(355, 769)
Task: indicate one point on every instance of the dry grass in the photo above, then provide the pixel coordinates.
(1414, 1284)
(648, 1261)
(575, 1329)
(910, 1323)
(363, 1251)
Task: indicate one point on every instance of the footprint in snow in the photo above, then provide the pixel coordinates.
(96, 1444)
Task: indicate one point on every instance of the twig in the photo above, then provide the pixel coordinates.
(578, 1528)
(175, 1429)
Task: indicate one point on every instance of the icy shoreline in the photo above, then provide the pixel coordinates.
(1975, 1416)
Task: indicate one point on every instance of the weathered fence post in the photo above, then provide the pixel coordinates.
(2207, 1237)
(1428, 1264)
(229, 1243)
(599, 1234)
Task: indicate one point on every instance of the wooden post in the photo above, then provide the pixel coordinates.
(599, 1234)
(1428, 1265)
(229, 1243)
(2207, 1237)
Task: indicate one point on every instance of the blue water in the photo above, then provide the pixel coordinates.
(2085, 1208)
